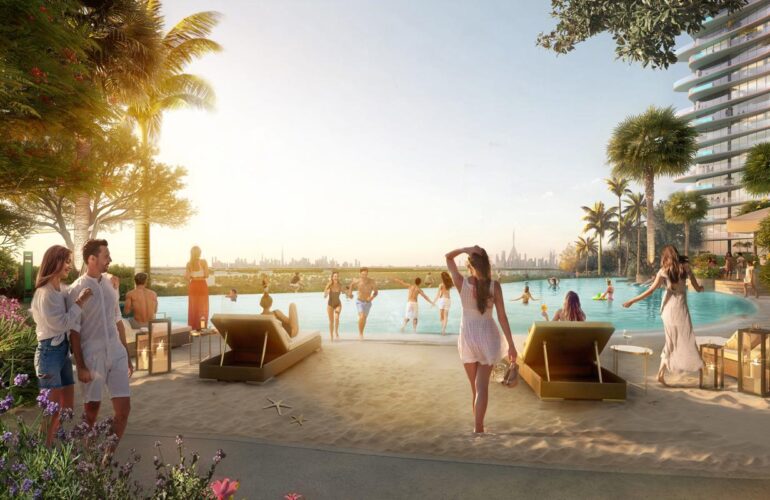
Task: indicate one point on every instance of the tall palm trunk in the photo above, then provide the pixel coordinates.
(587, 255)
(625, 273)
(686, 237)
(599, 271)
(141, 222)
(620, 237)
(638, 249)
(649, 193)
(82, 217)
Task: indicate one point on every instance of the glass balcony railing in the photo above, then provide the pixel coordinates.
(733, 42)
(753, 17)
(735, 129)
(762, 102)
(746, 56)
(732, 77)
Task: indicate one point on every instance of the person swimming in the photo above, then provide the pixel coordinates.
(525, 297)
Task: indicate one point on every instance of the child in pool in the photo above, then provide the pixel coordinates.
(608, 294)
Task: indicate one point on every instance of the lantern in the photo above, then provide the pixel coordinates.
(753, 371)
(712, 375)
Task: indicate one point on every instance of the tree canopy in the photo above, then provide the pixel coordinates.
(644, 32)
(756, 174)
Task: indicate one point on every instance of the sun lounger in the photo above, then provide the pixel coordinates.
(180, 335)
(561, 361)
(260, 348)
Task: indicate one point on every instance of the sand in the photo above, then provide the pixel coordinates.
(415, 399)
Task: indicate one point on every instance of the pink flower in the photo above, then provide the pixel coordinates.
(292, 496)
(224, 489)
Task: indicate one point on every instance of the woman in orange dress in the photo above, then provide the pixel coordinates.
(196, 272)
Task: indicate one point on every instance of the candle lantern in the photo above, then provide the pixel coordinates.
(160, 346)
(204, 323)
(753, 370)
(712, 375)
(142, 350)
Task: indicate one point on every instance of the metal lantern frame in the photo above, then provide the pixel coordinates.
(158, 330)
(712, 354)
(758, 387)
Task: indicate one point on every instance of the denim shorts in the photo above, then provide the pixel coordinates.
(53, 365)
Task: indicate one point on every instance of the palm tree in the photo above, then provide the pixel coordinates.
(599, 220)
(636, 208)
(685, 207)
(621, 230)
(585, 246)
(756, 174)
(618, 186)
(650, 145)
(125, 51)
(171, 88)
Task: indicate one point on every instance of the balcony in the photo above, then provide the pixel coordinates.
(724, 83)
(715, 106)
(726, 48)
(701, 174)
(725, 32)
(703, 75)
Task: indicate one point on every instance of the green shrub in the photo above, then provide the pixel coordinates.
(9, 271)
(17, 346)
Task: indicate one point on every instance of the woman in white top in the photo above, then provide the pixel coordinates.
(54, 315)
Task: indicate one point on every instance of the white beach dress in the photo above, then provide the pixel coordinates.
(680, 351)
(480, 340)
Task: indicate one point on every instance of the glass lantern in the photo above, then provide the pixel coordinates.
(712, 375)
(160, 346)
(753, 372)
(142, 350)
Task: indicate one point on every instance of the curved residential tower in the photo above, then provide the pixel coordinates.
(730, 90)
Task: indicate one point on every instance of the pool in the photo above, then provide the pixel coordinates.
(387, 311)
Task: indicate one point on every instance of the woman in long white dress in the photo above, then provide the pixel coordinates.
(680, 352)
(480, 344)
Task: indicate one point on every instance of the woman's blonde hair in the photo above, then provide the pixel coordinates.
(195, 257)
(571, 310)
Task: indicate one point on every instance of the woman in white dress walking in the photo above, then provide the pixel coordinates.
(680, 352)
(479, 342)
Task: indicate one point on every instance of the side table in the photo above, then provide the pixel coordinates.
(199, 334)
(635, 351)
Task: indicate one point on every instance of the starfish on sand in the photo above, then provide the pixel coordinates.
(298, 420)
(277, 405)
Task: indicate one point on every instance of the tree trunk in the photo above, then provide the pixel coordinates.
(620, 238)
(638, 250)
(599, 271)
(686, 238)
(587, 255)
(141, 224)
(82, 218)
(627, 254)
(649, 193)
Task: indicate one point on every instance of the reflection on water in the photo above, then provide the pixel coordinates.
(387, 311)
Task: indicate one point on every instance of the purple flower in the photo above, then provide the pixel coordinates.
(26, 485)
(6, 403)
(160, 483)
(179, 440)
(18, 467)
(61, 434)
(220, 454)
(2, 463)
(13, 489)
(51, 409)
(66, 415)
(42, 398)
(21, 380)
(38, 493)
(47, 475)
(7, 436)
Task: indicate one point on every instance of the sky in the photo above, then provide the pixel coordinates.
(392, 132)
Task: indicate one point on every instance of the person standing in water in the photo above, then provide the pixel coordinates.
(443, 300)
(479, 343)
(525, 297)
(609, 292)
(680, 351)
(334, 305)
(367, 291)
(749, 279)
(412, 310)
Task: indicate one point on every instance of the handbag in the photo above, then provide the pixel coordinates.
(511, 377)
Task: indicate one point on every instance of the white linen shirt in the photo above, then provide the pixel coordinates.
(55, 313)
(98, 322)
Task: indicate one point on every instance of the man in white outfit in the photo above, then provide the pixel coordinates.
(99, 341)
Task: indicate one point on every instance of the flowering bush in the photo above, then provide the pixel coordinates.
(80, 465)
(17, 348)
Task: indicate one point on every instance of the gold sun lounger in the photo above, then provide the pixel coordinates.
(260, 348)
(561, 361)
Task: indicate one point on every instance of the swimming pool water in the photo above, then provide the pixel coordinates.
(387, 311)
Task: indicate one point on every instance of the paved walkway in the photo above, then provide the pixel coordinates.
(270, 471)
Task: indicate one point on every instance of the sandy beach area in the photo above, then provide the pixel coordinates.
(415, 399)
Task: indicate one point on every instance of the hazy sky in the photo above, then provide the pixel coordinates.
(392, 132)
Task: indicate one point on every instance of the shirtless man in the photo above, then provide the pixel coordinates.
(142, 301)
(367, 291)
(411, 302)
